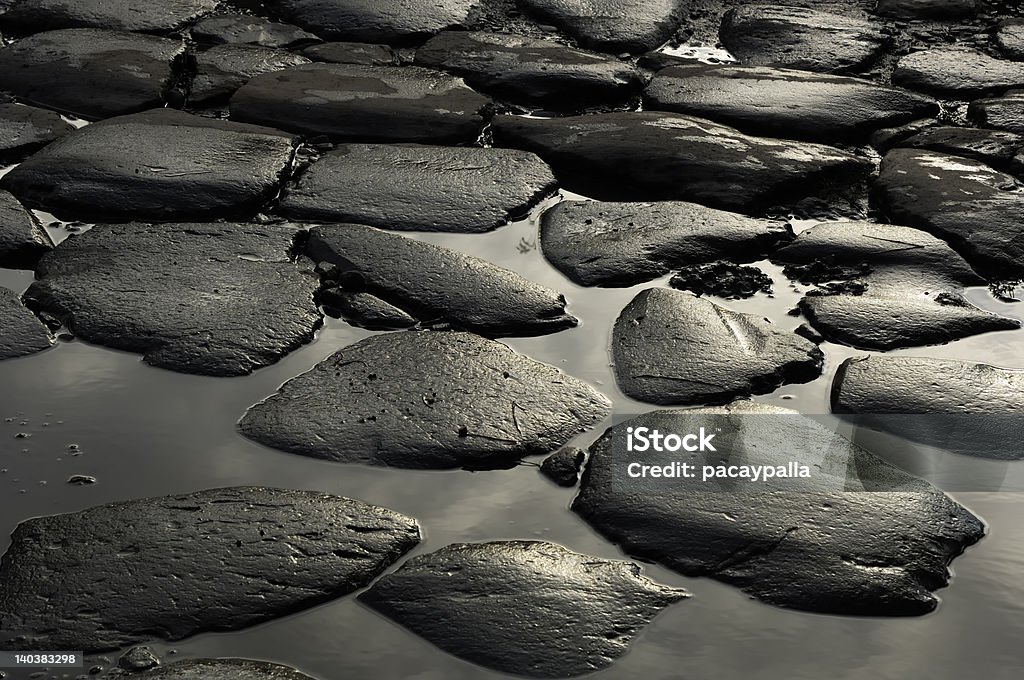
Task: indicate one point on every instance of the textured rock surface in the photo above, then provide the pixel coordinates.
(160, 165)
(21, 333)
(1010, 38)
(265, 553)
(563, 466)
(850, 548)
(784, 102)
(652, 156)
(723, 279)
(364, 310)
(436, 284)
(426, 400)
(213, 299)
(958, 73)
(671, 347)
(149, 16)
(352, 53)
(997, 148)
(927, 9)
(622, 244)
(420, 188)
(611, 25)
(223, 69)
(396, 21)
(525, 607)
(24, 129)
(89, 72)
(22, 239)
(225, 669)
(367, 103)
(1001, 113)
(250, 30)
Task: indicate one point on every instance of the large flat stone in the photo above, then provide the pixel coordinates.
(420, 188)
(222, 69)
(148, 16)
(175, 566)
(213, 299)
(224, 669)
(958, 73)
(611, 25)
(998, 148)
(1000, 113)
(244, 29)
(927, 9)
(24, 129)
(22, 239)
(396, 21)
(21, 333)
(427, 400)
(352, 53)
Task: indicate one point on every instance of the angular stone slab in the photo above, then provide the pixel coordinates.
(529, 608)
(22, 239)
(997, 148)
(532, 72)
(851, 548)
(364, 310)
(245, 29)
(223, 69)
(24, 129)
(436, 284)
(968, 204)
(909, 287)
(216, 299)
(371, 21)
(671, 347)
(264, 553)
(160, 165)
(622, 244)
(784, 102)
(364, 103)
(90, 72)
(147, 16)
(352, 53)
(1000, 113)
(801, 38)
(957, 73)
(651, 156)
(611, 25)
(21, 333)
(927, 9)
(1010, 39)
(426, 400)
(224, 669)
(421, 188)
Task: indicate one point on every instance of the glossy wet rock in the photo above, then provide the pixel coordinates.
(849, 548)
(801, 38)
(21, 333)
(24, 129)
(148, 16)
(970, 205)
(426, 400)
(265, 553)
(532, 72)
(611, 25)
(784, 102)
(218, 299)
(352, 53)
(365, 103)
(92, 73)
(223, 69)
(722, 279)
(524, 607)
(1000, 113)
(436, 284)
(22, 239)
(958, 73)
(364, 310)
(621, 244)
(927, 9)
(161, 165)
(225, 669)
(396, 21)
(909, 286)
(652, 156)
(671, 347)
(250, 30)
(1010, 39)
(563, 466)
(997, 148)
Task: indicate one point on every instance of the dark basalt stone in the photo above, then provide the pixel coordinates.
(971, 206)
(365, 103)
(352, 53)
(671, 347)
(651, 156)
(160, 165)
(224, 669)
(563, 466)
(371, 21)
(24, 129)
(90, 72)
(138, 659)
(958, 73)
(147, 16)
(723, 279)
(223, 69)
(801, 38)
(611, 25)
(426, 400)
(525, 607)
(21, 333)
(889, 138)
(993, 147)
(264, 553)
(1000, 113)
(783, 102)
(532, 72)
(364, 310)
(911, 287)
(421, 188)
(1010, 39)
(436, 284)
(844, 545)
(212, 299)
(927, 9)
(22, 239)
(250, 30)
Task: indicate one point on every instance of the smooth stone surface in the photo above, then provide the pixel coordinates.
(366, 103)
(21, 333)
(529, 608)
(1010, 39)
(24, 129)
(783, 102)
(671, 347)
(622, 244)
(364, 310)
(222, 69)
(993, 147)
(611, 25)
(89, 72)
(426, 400)
(352, 53)
(225, 669)
(160, 165)
(851, 548)
(436, 284)
(651, 156)
(216, 299)
(420, 188)
(532, 72)
(973, 207)
(914, 287)
(22, 239)
(801, 38)
(372, 21)
(563, 466)
(927, 9)
(957, 73)
(147, 16)
(249, 30)
(1000, 113)
(265, 553)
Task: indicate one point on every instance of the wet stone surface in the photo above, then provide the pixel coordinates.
(420, 188)
(22, 239)
(352, 53)
(24, 129)
(399, 21)
(364, 310)
(265, 553)
(525, 607)
(671, 347)
(223, 69)
(997, 148)
(846, 549)
(250, 30)
(426, 400)
(611, 25)
(958, 73)
(147, 16)
(216, 299)
(21, 333)
(723, 279)
(224, 669)
(563, 466)
(1001, 113)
